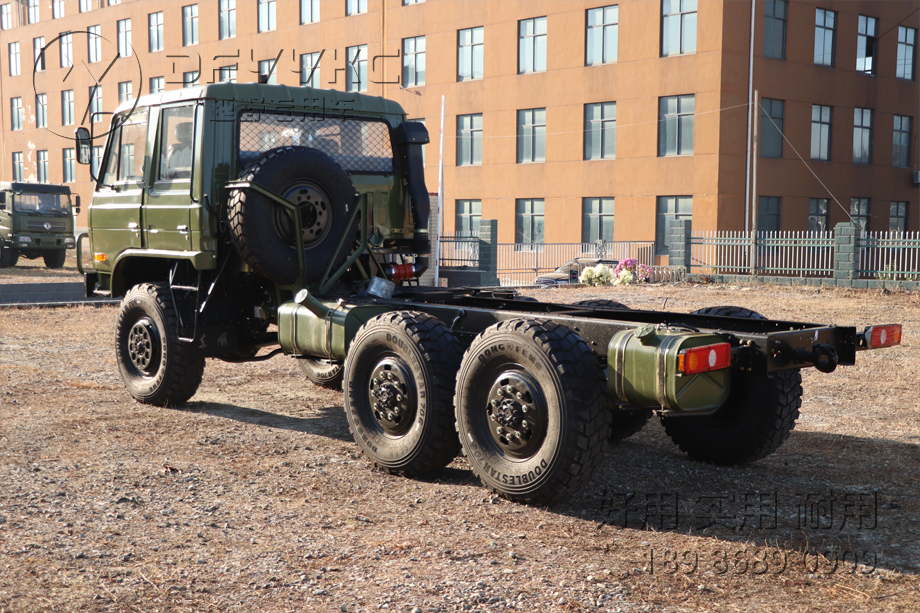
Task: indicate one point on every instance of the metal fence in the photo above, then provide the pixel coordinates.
(892, 256)
(459, 250)
(520, 264)
(801, 254)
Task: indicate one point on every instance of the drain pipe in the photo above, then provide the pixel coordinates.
(747, 171)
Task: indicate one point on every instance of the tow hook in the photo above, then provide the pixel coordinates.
(823, 356)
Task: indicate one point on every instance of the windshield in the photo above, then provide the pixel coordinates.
(42, 204)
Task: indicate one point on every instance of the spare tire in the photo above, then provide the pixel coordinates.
(262, 230)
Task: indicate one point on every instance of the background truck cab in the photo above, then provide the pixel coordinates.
(36, 221)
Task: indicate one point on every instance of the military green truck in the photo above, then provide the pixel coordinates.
(233, 218)
(36, 221)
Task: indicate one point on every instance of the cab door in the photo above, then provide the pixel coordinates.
(167, 211)
(115, 214)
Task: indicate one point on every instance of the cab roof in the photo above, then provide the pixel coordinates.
(40, 188)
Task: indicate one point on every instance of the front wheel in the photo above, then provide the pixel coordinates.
(531, 410)
(156, 367)
(399, 377)
(55, 258)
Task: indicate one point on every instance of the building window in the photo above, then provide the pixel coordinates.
(227, 74)
(125, 91)
(675, 125)
(531, 136)
(469, 213)
(17, 166)
(190, 25)
(866, 44)
(309, 70)
(41, 110)
(155, 31)
(67, 112)
(859, 212)
(268, 72)
(862, 136)
(825, 34)
(124, 38)
(774, 29)
(821, 117)
(470, 45)
(900, 155)
(57, 9)
(602, 35)
(16, 113)
(190, 78)
(897, 220)
(469, 140)
(678, 27)
(414, 61)
(94, 44)
(14, 60)
(355, 7)
(597, 219)
(356, 75)
(309, 11)
(157, 85)
(907, 44)
(95, 103)
(670, 208)
(86, 6)
(818, 215)
(70, 165)
(771, 122)
(38, 58)
(528, 221)
(768, 213)
(66, 41)
(532, 45)
(33, 13)
(96, 162)
(601, 131)
(409, 2)
(43, 166)
(266, 15)
(227, 21)
(6, 17)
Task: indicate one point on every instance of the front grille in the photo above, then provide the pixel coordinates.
(358, 145)
(39, 226)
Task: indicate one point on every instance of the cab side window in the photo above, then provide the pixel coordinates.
(177, 132)
(127, 147)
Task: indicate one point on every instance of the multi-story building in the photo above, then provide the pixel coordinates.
(566, 121)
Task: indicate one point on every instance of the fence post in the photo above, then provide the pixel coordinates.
(488, 252)
(846, 259)
(679, 243)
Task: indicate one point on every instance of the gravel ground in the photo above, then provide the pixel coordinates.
(254, 497)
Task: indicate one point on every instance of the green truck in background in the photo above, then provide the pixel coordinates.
(233, 218)
(36, 221)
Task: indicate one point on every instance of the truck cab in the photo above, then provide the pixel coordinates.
(36, 221)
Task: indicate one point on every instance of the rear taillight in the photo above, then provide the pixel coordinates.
(883, 336)
(705, 358)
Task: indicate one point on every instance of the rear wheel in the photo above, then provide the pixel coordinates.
(156, 367)
(399, 377)
(531, 410)
(55, 258)
(755, 420)
(324, 373)
(603, 304)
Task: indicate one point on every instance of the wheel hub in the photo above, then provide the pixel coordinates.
(315, 214)
(517, 413)
(144, 346)
(391, 392)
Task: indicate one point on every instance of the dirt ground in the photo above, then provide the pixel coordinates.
(254, 497)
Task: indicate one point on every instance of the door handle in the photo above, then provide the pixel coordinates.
(132, 226)
(182, 229)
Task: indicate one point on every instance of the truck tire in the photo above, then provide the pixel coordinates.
(55, 258)
(8, 256)
(156, 367)
(323, 373)
(399, 377)
(263, 231)
(602, 304)
(552, 448)
(755, 420)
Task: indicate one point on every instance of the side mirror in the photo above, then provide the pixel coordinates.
(78, 204)
(2, 197)
(84, 145)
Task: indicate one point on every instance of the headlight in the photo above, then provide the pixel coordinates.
(25, 239)
(68, 240)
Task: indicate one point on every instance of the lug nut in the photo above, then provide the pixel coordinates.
(525, 408)
(390, 376)
(492, 417)
(509, 389)
(525, 424)
(519, 395)
(376, 406)
(398, 397)
(500, 430)
(494, 403)
(375, 381)
(390, 416)
(517, 435)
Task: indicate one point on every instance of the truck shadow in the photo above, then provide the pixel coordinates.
(825, 496)
(329, 422)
